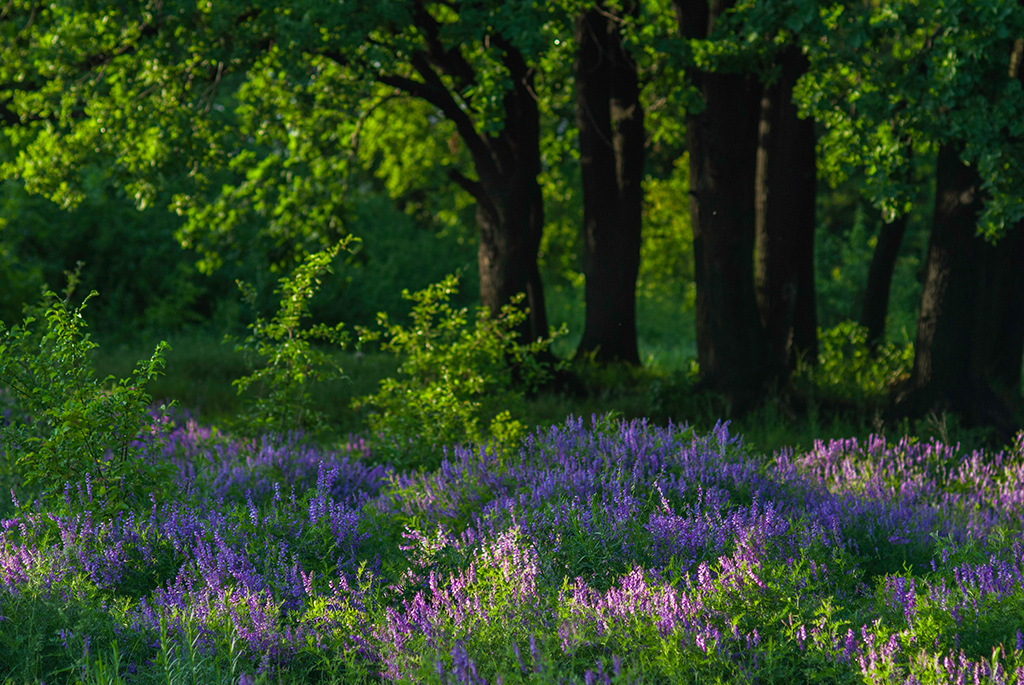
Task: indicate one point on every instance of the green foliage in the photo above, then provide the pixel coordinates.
(950, 63)
(845, 239)
(22, 277)
(45, 634)
(288, 362)
(849, 371)
(147, 279)
(667, 250)
(396, 251)
(259, 120)
(842, 258)
(78, 430)
(457, 380)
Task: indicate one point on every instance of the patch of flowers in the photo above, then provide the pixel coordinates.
(600, 553)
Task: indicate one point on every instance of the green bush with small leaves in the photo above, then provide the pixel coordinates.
(848, 370)
(286, 362)
(459, 381)
(67, 427)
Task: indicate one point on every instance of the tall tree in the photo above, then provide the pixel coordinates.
(611, 140)
(785, 200)
(955, 67)
(722, 140)
(259, 101)
(875, 308)
(969, 339)
(752, 194)
(510, 206)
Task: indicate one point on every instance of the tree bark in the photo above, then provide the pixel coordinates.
(879, 285)
(785, 222)
(970, 337)
(722, 141)
(509, 203)
(510, 217)
(999, 335)
(611, 138)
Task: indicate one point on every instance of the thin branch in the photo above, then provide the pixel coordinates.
(31, 20)
(469, 185)
(438, 95)
(449, 60)
(211, 91)
(1015, 58)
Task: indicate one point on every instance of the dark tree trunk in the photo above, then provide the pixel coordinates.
(611, 136)
(785, 222)
(510, 216)
(944, 323)
(510, 207)
(1001, 344)
(999, 333)
(722, 141)
(879, 284)
(509, 203)
(970, 337)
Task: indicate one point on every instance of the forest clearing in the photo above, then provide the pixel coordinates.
(506, 341)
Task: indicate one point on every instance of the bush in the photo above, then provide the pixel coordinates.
(849, 371)
(66, 426)
(458, 382)
(288, 363)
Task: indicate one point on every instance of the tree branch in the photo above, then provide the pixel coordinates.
(449, 60)
(1015, 58)
(469, 185)
(692, 18)
(513, 61)
(442, 98)
(432, 90)
(522, 91)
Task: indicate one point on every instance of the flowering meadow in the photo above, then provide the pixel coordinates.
(597, 552)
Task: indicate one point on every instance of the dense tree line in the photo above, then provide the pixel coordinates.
(253, 118)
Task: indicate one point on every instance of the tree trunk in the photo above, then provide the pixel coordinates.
(509, 203)
(970, 336)
(999, 334)
(722, 141)
(510, 211)
(785, 221)
(879, 284)
(510, 219)
(1001, 345)
(611, 137)
(510, 206)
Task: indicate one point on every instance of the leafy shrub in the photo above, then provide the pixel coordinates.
(456, 378)
(288, 363)
(849, 371)
(67, 426)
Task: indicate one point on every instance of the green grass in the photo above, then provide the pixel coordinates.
(666, 334)
(201, 368)
(199, 371)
